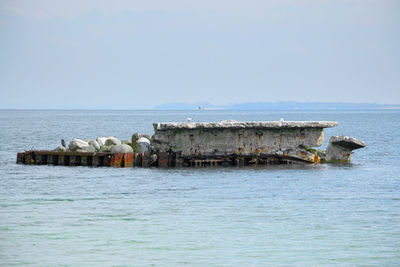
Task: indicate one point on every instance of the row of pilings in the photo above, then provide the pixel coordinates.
(163, 159)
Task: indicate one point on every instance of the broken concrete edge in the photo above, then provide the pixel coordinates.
(319, 152)
(347, 142)
(340, 148)
(243, 125)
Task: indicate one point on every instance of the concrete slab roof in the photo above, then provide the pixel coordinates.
(230, 124)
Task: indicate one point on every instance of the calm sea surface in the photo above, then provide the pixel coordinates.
(257, 216)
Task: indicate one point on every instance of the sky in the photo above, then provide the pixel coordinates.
(139, 54)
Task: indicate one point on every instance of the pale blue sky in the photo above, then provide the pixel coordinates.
(138, 54)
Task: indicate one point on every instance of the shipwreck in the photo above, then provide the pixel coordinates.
(225, 143)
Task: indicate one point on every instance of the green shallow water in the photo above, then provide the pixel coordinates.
(252, 216)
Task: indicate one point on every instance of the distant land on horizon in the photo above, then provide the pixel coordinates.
(288, 105)
(284, 105)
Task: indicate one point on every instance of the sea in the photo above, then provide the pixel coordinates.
(286, 215)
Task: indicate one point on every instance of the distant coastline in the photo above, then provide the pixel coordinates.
(289, 105)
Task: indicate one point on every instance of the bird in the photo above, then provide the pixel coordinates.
(281, 119)
(63, 143)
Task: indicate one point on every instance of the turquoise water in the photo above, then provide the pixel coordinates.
(257, 216)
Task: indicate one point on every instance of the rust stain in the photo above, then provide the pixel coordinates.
(163, 159)
(116, 160)
(128, 159)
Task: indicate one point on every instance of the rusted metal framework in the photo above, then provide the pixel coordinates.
(44, 157)
(129, 160)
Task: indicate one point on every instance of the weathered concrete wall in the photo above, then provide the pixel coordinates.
(245, 138)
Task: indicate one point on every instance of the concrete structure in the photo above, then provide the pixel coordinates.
(242, 138)
(226, 143)
(340, 149)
